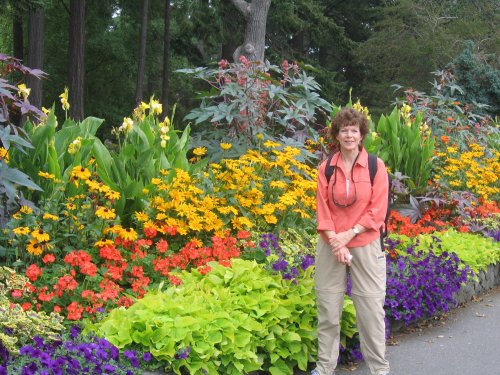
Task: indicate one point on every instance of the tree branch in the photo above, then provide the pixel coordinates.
(242, 6)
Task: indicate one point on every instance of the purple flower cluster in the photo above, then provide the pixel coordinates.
(73, 356)
(287, 266)
(182, 353)
(494, 234)
(420, 285)
(269, 243)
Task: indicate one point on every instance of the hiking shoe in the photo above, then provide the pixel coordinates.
(316, 372)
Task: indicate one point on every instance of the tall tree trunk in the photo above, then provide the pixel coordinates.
(76, 59)
(255, 14)
(232, 27)
(142, 52)
(17, 31)
(166, 61)
(35, 53)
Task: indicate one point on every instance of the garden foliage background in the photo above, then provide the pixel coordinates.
(192, 251)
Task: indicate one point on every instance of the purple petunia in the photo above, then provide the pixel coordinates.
(182, 353)
(75, 356)
(420, 284)
(307, 262)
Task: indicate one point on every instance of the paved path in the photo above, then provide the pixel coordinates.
(465, 342)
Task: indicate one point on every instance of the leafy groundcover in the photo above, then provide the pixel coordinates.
(233, 320)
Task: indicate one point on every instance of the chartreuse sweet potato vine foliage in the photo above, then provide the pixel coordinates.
(241, 312)
(203, 264)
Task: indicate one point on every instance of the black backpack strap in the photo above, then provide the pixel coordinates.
(372, 166)
(329, 169)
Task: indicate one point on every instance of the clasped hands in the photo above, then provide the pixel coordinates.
(338, 242)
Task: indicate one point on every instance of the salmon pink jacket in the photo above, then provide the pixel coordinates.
(370, 202)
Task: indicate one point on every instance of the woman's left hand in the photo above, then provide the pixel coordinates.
(340, 240)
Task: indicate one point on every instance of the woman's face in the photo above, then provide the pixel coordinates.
(349, 138)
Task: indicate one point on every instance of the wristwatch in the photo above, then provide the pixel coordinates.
(356, 231)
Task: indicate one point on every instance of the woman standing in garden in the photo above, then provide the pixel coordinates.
(350, 213)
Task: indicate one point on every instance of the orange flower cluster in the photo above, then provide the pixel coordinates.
(222, 250)
(117, 271)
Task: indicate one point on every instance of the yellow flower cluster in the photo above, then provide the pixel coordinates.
(4, 154)
(472, 170)
(364, 110)
(254, 191)
(23, 91)
(37, 232)
(64, 99)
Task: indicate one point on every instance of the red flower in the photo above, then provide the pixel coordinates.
(174, 280)
(110, 289)
(17, 293)
(48, 258)
(162, 246)
(45, 297)
(150, 232)
(26, 306)
(89, 269)
(125, 301)
(33, 272)
(205, 269)
(169, 230)
(74, 311)
(110, 253)
(243, 234)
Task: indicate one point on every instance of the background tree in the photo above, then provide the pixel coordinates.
(366, 45)
(35, 51)
(255, 14)
(166, 58)
(76, 58)
(142, 51)
(478, 75)
(411, 39)
(17, 29)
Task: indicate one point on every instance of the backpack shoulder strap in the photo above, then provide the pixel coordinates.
(329, 169)
(372, 166)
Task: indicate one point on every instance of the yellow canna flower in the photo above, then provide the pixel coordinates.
(75, 146)
(155, 107)
(64, 99)
(23, 91)
(127, 125)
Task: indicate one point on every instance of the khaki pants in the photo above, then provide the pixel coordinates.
(368, 275)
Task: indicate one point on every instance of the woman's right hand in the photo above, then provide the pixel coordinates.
(343, 255)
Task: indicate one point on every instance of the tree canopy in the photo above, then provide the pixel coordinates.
(367, 45)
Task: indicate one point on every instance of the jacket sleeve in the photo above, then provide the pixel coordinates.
(374, 215)
(323, 215)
